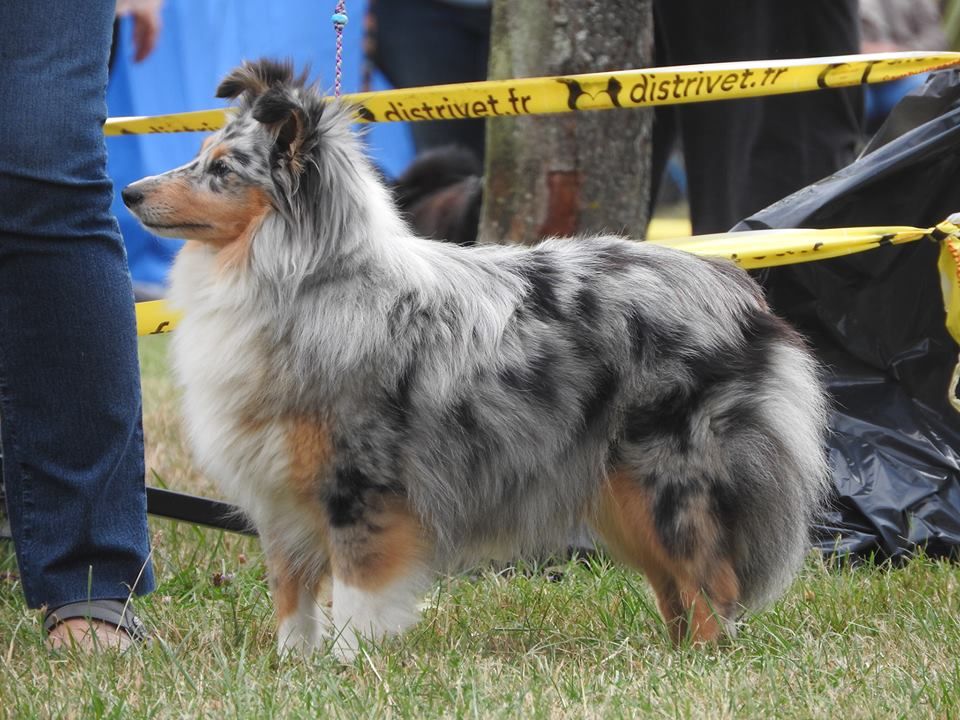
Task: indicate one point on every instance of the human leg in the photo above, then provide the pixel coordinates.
(69, 377)
(742, 155)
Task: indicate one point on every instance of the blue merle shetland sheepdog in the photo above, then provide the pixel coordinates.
(385, 407)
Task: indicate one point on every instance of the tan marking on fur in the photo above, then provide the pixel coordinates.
(284, 586)
(207, 141)
(236, 255)
(371, 560)
(700, 587)
(219, 151)
(251, 425)
(699, 517)
(624, 521)
(232, 216)
(723, 583)
(311, 453)
(296, 158)
(717, 598)
(224, 217)
(286, 581)
(311, 449)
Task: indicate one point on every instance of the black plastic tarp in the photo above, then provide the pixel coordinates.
(876, 320)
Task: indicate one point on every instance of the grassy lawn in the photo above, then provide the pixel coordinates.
(576, 639)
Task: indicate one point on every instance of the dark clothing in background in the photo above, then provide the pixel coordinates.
(430, 42)
(742, 155)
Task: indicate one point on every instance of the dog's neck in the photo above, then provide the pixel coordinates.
(329, 233)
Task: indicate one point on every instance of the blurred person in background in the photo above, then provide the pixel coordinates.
(897, 26)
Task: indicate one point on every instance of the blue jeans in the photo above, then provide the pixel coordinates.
(71, 432)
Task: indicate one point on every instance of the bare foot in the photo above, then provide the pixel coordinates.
(88, 636)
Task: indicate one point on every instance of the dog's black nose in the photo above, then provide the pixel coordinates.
(131, 197)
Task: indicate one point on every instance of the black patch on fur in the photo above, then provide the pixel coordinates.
(273, 106)
(746, 361)
(669, 417)
(543, 377)
(233, 86)
(651, 343)
(478, 444)
(256, 77)
(346, 500)
(541, 298)
(466, 418)
(597, 403)
(724, 504)
(671, 501)
(535, 380)
(398, 399)
(277, 108)
(587, 304)
(398, 316)
(616, 259)
(241, 157)
(638, 332)
(585, 342)
(409, 317)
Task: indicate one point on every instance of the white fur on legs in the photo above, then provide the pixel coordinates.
(373, 615)
(310, 625)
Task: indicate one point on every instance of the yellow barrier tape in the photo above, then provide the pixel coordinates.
(770, 248)
(195, 121)
(155, 317)
(594, 91)
(949, 266)
(754, 249)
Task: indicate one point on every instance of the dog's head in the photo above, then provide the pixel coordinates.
(272, 151)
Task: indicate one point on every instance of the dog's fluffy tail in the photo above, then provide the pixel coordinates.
(785, 476)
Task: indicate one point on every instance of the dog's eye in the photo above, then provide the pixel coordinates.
(219, 168)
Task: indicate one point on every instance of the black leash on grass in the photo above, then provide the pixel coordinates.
(198, 511)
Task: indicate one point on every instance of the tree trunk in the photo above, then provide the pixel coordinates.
(579, 172)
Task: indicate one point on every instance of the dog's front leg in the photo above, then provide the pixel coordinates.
(302, 600)
(362, 615)
(381, 568)
(308, 624)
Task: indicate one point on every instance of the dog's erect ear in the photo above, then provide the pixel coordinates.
(279, 111)
(255, 78)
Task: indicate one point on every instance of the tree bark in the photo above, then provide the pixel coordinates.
(575, 173)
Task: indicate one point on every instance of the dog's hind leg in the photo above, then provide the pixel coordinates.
(694, 580)
(380, 571)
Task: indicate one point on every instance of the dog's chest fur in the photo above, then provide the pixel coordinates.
(266, 459)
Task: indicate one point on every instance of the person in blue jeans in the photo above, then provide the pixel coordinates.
(70, 412)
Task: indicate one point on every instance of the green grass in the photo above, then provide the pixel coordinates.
(579, 639)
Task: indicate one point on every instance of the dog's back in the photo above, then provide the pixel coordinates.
(517, 384)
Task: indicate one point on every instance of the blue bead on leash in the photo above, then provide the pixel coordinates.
(339, 19)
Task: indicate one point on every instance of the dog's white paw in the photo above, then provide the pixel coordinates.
(305, 632)
(364, 616)
(345, 649)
